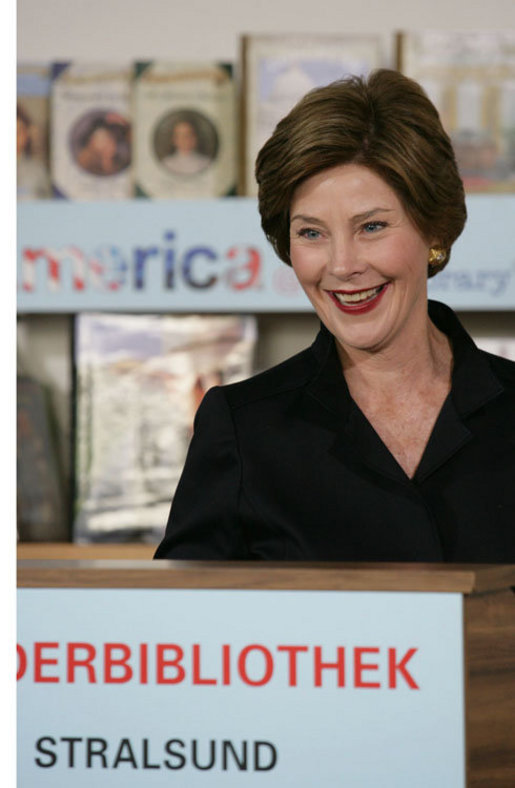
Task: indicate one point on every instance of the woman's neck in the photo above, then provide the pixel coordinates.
(408, 365)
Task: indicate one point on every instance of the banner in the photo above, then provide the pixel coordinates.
(212, 256)
(230, 687)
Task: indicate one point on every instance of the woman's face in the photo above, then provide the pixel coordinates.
(103, 142)
(358, 257)
(184, 137)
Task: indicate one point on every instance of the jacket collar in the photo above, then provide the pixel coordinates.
(473, 385)
(473, 380)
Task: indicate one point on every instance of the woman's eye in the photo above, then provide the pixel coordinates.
(309, 233)
(372, 227)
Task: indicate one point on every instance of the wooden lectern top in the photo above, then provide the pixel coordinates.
(102, 573)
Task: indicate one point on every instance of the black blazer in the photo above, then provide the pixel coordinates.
(284, 466)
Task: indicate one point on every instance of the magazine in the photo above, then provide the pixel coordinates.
(139, 382)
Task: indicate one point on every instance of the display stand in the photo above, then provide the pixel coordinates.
(468, 653)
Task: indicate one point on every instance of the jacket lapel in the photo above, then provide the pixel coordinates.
(358, 445)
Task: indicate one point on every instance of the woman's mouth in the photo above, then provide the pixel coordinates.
(358, 301)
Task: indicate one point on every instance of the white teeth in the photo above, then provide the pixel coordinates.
(354, 298)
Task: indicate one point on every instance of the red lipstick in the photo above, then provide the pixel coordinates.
(358, 307)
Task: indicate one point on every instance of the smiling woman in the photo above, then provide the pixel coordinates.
(393, 437)
(363, 265)
(353, 247)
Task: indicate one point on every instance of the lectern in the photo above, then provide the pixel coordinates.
(226, 674)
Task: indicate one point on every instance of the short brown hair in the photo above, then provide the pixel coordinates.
(384, 122)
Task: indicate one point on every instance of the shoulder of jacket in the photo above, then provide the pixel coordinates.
(289, 375)
(503, 368)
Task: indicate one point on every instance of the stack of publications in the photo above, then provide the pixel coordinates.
(139, 381)
(149, 129)
(161, 129)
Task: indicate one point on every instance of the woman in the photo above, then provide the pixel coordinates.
(185, 158)
(102, 146)
(393, 437)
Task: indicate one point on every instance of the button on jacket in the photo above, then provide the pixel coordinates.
(284, 466)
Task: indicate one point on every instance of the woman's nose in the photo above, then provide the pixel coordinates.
(345, 259)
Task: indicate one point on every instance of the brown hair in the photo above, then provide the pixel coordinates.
(385, 123)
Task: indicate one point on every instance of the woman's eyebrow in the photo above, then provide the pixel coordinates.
(303, 218)
(359, 217)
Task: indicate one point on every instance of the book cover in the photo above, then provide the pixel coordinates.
(470, 78)
(32, 122)
(184, 130)
(139, 381)
(277, 70)
(91, 131)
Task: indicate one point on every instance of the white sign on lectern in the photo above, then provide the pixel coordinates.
(232, 688)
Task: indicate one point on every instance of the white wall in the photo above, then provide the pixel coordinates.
(95, 29)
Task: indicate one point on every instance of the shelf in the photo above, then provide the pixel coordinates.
(63, 551)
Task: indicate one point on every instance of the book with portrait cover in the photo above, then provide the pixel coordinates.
(184, 130)
(32, 121)
(139, 381)
(470, 78)
(91, 131)
(277, 70)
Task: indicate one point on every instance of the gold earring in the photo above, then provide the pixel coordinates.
(436, 256)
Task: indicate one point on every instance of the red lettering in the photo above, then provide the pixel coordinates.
(40, 661)
(197, 679)
(292, 652)
(53, 268)
(360, 666)
(226, 665)
(394, 666)
(246, 275)
(74, 662)
(22, 662)
(242, 665)
(143, 663)
(30, 256)
(162, 663)
(254, 664)
(339, 665)
(122, 663)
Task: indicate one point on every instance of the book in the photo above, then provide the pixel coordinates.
(139, 381)
(277, 70)
(184, 130)
(32, 122)
(470, 78)
(91, 131)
